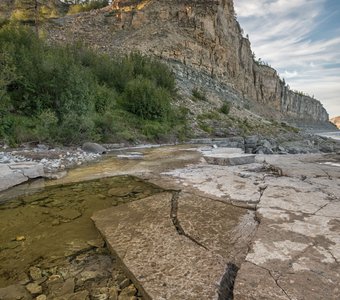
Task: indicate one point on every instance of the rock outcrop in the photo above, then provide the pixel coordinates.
(204, 36)
(336, 121)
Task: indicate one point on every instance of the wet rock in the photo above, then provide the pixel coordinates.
(127, 292)
(82, 295)
(113, 293)
(94, 148)
(66, 287)
(35, 273)
(125, 283)
(98, 243)
(189, 265)
(100, 293)
(69, 214)
(14, 292)
(34, 288)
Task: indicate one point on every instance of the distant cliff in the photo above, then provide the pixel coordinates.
(203, 35)
(336, 121)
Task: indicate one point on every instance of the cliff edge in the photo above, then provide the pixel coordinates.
(202, 36)
(336, 121)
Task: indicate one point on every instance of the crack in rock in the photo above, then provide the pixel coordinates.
(273, 277)
(226, 288)
(176, 222)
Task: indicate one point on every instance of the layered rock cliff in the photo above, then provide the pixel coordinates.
(202, 35)
(336, 121)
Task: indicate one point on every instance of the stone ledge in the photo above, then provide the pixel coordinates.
(223, 159)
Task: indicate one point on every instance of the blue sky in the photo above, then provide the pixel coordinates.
(300, 39)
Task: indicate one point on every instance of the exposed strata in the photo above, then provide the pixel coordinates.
(336, 121)
(202, 35)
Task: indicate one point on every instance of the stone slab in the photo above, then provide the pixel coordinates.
(166, 265)
(295, 253)
(9, 178)
(233, 184)
(29, 169)
(223, 159)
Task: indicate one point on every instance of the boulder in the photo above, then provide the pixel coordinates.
(14, 292)
(10, 178)
(28, 169)
(263, 150)
(94, 148)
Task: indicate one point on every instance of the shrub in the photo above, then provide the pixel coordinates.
(199, 94)
(69, 94)
(225, 108)
(144, 99)
(87, 6)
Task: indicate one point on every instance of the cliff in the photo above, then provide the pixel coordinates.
(203, 36)
(336, 121)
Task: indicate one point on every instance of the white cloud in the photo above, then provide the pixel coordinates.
(288, 74)
(281, 33)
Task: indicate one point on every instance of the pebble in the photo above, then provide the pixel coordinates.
(64, 160)
(34, 288)
(125, 283)
(35, 273)
(41, 297)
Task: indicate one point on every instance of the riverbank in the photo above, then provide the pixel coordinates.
(297, 195)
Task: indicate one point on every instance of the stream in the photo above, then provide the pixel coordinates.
(47, 236)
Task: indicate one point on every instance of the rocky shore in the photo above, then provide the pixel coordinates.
(21, 165)
(282, 212)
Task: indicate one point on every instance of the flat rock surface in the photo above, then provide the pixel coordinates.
(10, 178)
(296, 251)
(229, 159)
(238, 185)
(165, 264)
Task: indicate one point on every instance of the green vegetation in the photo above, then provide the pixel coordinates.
(225, 108)
(303, 94)
(69, 94)
(86, 6)
(199, 94)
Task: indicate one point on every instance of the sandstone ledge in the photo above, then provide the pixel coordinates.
(181, 253)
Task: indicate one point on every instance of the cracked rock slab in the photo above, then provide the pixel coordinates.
(227, 183)
(295, 253)
(165, 264)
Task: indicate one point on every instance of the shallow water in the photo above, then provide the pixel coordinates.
(55, 221)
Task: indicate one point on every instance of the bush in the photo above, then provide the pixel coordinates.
(87, 6)
(69, 94)
(144, 99)
(225, 108)
(199, 94)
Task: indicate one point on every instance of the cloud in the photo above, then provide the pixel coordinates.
(286, 34)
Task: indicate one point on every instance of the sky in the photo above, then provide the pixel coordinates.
(301, 40)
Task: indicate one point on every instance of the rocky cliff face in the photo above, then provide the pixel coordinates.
(336, 121)
(203, 35)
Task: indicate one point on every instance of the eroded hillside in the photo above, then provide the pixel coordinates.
(200, 36)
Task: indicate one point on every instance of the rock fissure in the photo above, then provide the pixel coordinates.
(331, 254)
(226, 287)
(320, 208)
(273, 277)
(176, 222)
